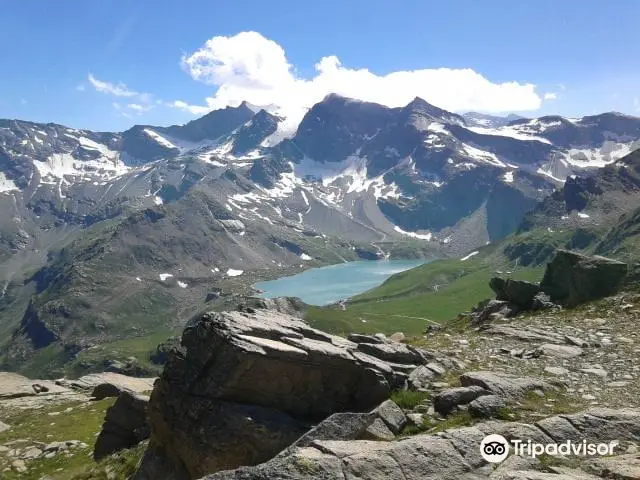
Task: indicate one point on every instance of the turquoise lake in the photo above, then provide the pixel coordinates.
(325, 285)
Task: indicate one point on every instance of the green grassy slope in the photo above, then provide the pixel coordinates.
(408, 301)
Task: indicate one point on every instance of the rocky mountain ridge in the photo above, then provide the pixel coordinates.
(132, 232)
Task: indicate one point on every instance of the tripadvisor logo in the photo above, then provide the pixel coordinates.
(496, 448)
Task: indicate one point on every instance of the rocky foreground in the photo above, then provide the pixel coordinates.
(270, 379)
(53, 424)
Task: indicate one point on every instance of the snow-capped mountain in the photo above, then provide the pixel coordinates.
(353, 169)
(109, 220)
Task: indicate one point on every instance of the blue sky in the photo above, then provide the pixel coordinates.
(150, 61)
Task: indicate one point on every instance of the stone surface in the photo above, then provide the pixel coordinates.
(572, 278)
(622, 467)
(392, 415)
(453, 454)
(397, 337)
(560, 351)
(447, 400)
(556, 370)
(598, 424)
(542, 301)
(13, 385)
(510, 387)
(125, 425)
(487, 406)
(378, 430)
(339, 426)
(106, 390)
(246, 385)
(122, 382)
(421, 377)
(517, 292)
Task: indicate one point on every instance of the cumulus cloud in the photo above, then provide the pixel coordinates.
(550, 96)
(250, 67)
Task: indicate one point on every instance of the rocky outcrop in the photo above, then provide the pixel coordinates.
(125, 425)
(453, 454)
(13, 386)
(572, 278)
(246, 385)
(507, 386)
(517, 292)
(569, 280)
(498, 388)
(447, 401)
(107, 384)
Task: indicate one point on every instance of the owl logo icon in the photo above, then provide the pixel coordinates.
(494, 448)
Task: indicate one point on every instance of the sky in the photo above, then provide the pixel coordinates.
(106, 65)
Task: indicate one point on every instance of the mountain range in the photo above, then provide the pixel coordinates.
(108, 236)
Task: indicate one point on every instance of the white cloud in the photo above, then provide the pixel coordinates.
(194, 109)
(81, 87)
(250, 67)
(550, 96)
(143, 100)
(139, 109)
(119, 90)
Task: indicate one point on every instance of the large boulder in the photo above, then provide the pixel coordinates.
(245, 385)
(572, 278)
(125, 425)
(518, 292)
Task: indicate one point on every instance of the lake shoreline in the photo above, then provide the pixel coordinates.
(330, 284)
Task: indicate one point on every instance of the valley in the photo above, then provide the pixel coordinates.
(110, 239)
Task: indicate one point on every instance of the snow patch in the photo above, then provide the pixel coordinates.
(6, 185)
(234, 273)
(437, 127)
(419, 236)
(182, 284)
(508, 177)
(547, 173)
(164, 276)
(583, 215)
(159, 138)
(482, 155)
(610, 152)
(509, 131)
(472, 254)
(304, 256)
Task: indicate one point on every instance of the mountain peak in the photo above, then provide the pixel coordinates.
(419, 109)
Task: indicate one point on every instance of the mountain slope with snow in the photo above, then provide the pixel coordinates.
(83, 214)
